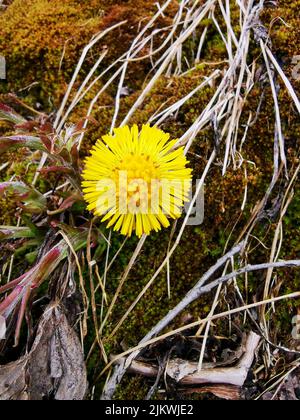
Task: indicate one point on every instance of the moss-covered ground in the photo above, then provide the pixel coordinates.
(42, 41)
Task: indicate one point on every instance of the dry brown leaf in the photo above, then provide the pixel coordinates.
(12, 380)
(54, 368)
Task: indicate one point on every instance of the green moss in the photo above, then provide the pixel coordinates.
(33, 39)
(134, 388)
(42, 42)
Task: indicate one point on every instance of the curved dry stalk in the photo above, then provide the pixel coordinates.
(86, 49)
(276, 106)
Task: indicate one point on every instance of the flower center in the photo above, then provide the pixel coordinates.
(139, 167)
(140, 171)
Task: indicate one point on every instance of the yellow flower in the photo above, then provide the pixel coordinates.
(136, 180)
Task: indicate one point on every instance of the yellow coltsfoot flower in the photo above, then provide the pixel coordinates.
(136, 180)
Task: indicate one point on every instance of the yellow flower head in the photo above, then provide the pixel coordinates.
(136, 180)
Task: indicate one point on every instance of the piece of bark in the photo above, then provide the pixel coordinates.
(187, 373)
(226, 392)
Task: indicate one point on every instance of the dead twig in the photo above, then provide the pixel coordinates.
(185, 372)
